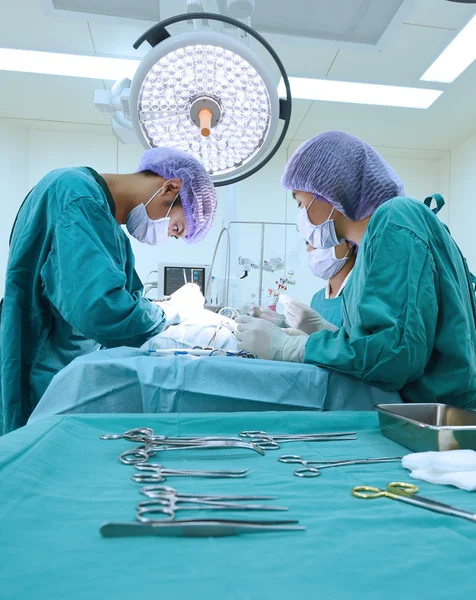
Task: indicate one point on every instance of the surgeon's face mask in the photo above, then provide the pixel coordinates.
(145, 229)
(319, 236)
(324, 263)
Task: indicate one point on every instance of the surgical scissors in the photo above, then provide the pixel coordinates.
(154, 473)
(168, 505)
(315, 471)
(272, 441)
(407, 492)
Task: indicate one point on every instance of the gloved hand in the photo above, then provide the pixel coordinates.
(293, 332)
(268, 315)
(265, 340)
(183, 304)
(302, 317)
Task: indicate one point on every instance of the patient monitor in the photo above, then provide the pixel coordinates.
(172, 276)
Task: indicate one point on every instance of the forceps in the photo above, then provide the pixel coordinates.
(310, 471)
(196, 528)
(407, 492)
(272, 441)
(156, 473)
(141, 454)
(168, 505)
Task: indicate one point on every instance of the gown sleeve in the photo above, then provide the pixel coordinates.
(83, 279)
(391, 337)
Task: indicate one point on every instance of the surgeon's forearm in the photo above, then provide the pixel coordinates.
(376, 359)
(129, 328)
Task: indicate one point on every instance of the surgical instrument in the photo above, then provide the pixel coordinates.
(153, 473)
(185, 277)
(407, 492)
(142, 454)
(218, 328)
(138, 434)
(315, 471)
(158, 491)
(167, 507)
(272, 441)
(196, 528)
(147, 435)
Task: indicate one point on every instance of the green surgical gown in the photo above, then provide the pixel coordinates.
(409, 311)
(329, 308)
(70, 287)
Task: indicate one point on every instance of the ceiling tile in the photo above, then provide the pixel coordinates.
(24, 25)
(50, 98)
(402, 61)
(118, 39)
(299, 111)
(449, 121)
(440, 13)
(303, 57)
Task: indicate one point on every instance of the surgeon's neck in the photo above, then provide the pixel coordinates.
(336, 282)
(130, 190)
(352, 230)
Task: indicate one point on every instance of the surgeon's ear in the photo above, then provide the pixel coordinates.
(172, 185)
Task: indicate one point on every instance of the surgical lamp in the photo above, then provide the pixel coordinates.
(206, 93)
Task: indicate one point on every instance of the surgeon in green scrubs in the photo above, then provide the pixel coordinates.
(409, 306)
(71, 285)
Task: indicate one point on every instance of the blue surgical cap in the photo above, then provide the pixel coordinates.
(198, 194)
(343, 170)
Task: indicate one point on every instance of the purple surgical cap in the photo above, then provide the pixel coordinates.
(345, 171)
(198, 195)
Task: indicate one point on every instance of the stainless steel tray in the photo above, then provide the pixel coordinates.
(422, 427)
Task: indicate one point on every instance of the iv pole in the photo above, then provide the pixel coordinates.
(261, 259)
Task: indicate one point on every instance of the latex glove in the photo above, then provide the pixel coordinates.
(293, 332)
(268, 315)
(302, 317)
(184, 304)
(265, 340)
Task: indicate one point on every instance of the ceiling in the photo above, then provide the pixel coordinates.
(42, 101)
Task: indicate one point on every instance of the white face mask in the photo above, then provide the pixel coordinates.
(324, 263)
(145, 229)
(319, 236)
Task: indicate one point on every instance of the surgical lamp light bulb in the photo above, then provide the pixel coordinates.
(222, 77)
(206, 92)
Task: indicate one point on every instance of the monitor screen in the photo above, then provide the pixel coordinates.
(174, 278)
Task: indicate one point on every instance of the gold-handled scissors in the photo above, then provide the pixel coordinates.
(407, 492)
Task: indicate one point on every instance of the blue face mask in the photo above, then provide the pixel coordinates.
(321, 236)
(324, 263)
(145, 229)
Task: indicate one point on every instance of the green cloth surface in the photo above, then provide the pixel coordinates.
(59, 482)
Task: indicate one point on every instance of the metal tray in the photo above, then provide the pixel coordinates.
(422, 427)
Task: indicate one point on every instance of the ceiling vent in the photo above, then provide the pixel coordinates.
(363, 22)
(341, 22)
